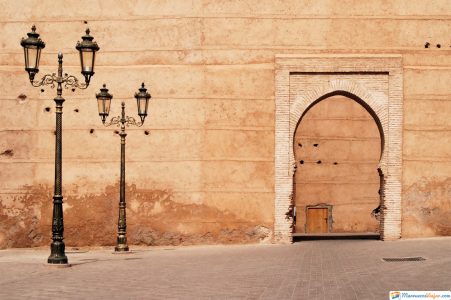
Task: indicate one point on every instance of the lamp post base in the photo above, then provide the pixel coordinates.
(58, 266)
(121, 248)
(121, 245)
(57, 255)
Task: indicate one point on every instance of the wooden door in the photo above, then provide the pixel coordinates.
(317, 220)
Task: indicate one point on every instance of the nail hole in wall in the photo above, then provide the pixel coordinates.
(335, 163)
(315, 145)
(8, 152)
(116, 132)
(427, 45)
(91, 131)
(318, 162)
(47, 109)
(301, 162)
(300, 145)
(146, 132)
(42, 90)
(22, 97)
(76, 110)
(439, 46)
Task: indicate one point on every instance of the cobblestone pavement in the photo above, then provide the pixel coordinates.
(328, 269)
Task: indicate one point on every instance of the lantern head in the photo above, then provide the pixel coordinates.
(87, 49)
(142, 99)
(104, 103)
(32, 46)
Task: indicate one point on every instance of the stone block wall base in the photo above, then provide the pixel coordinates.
(283, 238)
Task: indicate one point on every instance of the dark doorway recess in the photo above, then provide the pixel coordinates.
(298, 237)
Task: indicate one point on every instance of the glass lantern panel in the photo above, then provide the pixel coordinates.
(107, 106)
(141, 106)
(87, 61)
(104, 105)
(31, 57)
(93, 59)
(25, 54)
(100, 106)
(38, 58)
(147, 105)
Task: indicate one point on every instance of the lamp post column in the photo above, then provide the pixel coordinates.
(57, 247)
(122, 221)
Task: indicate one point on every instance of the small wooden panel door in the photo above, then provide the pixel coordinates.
(317, 220)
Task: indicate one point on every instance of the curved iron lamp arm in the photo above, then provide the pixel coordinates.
(131, 121)
(127, 121)
(113, 121)
(47, 79)
(71, 81)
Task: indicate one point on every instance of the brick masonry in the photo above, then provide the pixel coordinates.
(376, 81)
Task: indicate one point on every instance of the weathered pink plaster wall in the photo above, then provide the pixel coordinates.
(205, 173)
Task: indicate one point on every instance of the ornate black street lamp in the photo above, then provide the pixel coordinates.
(32, 49)
(104, 104)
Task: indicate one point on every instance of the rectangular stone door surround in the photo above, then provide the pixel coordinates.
(376, 80)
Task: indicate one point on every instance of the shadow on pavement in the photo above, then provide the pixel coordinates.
(299, 237)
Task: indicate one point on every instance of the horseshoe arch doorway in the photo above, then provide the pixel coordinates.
(337, 147)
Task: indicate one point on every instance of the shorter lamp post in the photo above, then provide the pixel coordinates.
(104, 104)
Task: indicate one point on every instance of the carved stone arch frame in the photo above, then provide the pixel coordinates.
(376, 82)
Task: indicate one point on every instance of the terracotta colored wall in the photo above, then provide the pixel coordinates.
(205, 173)
(337, 149)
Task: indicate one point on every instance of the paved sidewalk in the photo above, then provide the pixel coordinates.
(329, 269)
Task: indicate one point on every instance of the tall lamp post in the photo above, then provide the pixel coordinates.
(104, 104)
(32, 50)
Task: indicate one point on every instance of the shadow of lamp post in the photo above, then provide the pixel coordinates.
(104, 104)
(32, 50)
